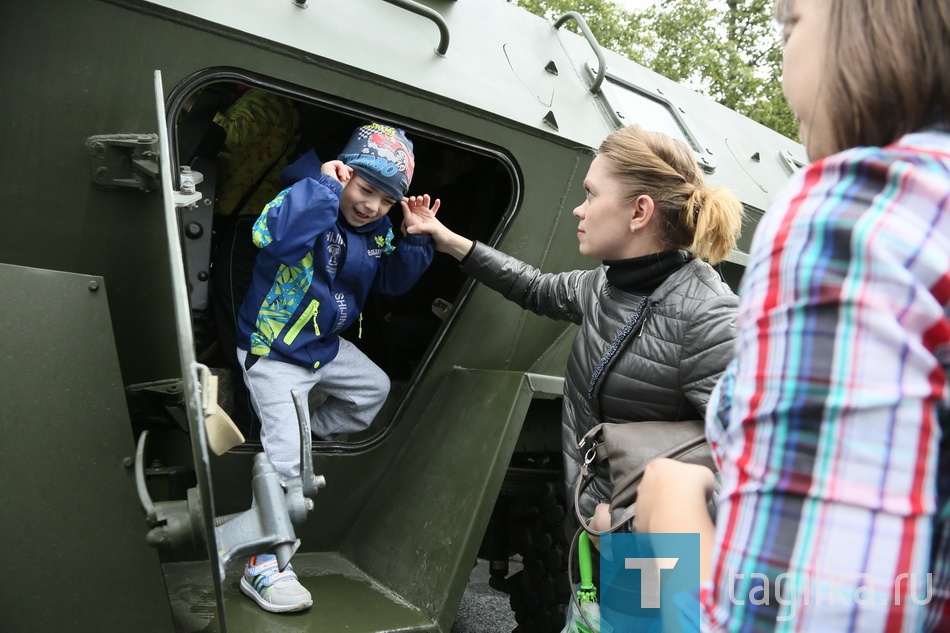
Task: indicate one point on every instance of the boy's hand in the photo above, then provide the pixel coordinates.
(415, 210)
(337, 170)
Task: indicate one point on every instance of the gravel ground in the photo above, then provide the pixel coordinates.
(484, 610)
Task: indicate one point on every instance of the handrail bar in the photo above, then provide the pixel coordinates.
(601, 61)
(433, 15)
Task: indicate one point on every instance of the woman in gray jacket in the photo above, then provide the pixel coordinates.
(656, 320)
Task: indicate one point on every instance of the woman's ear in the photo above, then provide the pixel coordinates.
(641, 212)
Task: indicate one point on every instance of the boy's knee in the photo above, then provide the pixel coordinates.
(381, 383)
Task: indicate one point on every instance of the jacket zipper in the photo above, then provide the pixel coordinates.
(309, 314)
(643, 319)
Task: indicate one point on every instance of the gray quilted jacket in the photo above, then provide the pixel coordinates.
(673, 354)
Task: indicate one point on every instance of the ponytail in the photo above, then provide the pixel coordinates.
(714, 218)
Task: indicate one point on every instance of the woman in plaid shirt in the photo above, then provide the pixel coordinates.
(827, 425)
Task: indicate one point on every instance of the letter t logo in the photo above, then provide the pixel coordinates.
(650, 578)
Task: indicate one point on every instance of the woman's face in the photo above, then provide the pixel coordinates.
(805, 27)
(605, 217)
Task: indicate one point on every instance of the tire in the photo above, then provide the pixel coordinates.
(540, 592)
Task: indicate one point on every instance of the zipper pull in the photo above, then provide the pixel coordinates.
(360, 335)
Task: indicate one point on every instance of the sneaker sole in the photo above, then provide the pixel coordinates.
(249, 591)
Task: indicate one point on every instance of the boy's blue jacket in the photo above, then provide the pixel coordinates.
(314, 272)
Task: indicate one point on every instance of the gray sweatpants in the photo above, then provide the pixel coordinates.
(356, 390)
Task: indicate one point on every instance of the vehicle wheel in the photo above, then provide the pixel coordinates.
(540, 592)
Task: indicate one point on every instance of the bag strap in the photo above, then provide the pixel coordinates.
(616, 346)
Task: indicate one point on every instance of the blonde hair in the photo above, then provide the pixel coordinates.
(887, 66)
(704, 221)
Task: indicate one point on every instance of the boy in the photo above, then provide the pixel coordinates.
(324, 243)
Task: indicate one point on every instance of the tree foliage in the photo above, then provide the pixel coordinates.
(729, 50)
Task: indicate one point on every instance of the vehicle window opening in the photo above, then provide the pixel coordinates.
(240, 137)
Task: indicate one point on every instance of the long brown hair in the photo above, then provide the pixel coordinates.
(704, 221)
(888, 62)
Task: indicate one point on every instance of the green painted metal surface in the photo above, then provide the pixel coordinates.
(393, 535)
(416, 530)
(422, 527)
(72, 528)
(346, 599)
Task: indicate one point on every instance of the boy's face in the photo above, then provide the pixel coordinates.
(362, 203)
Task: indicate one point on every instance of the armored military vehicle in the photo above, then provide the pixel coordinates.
(115, 273)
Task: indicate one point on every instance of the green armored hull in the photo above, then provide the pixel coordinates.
(108, 270)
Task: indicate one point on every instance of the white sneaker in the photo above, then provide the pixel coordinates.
(273, 590)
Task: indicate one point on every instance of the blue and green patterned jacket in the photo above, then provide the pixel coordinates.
(314, 272)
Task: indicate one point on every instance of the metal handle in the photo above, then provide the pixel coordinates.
(309, 483)
(601, 62)
(433, 15)
(144, 498)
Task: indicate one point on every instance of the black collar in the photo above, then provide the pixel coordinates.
(644, 274)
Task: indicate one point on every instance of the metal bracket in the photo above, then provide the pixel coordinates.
(131, 161)
(187, 194)
(158, 403)
(266, 527)
(174, 524)
(790, 162)
(124, 160)
(195, 221)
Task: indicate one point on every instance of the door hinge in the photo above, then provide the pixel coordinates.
(124, 160)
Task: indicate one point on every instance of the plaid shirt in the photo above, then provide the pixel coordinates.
(826, 424)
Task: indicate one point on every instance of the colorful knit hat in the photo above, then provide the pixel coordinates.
(382, 156)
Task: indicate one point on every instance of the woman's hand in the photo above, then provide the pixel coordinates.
(600, 522)
(421, 221)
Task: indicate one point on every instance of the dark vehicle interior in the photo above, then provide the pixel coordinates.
(240, 135)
